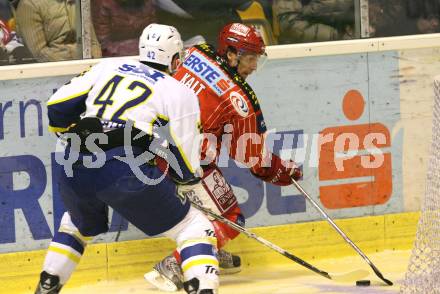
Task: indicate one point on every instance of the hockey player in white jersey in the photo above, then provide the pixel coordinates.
(104, 101)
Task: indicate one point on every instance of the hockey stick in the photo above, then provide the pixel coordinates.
(355, 275)
(332, 223)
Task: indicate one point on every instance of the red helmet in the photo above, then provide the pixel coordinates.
(241, 37)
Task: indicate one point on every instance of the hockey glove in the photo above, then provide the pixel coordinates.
(296, 173)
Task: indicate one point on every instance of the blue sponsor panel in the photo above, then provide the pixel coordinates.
(26, 206)
(277, 202)
(25, 198)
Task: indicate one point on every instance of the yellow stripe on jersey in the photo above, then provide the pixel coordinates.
(57, 130)
(69, 98)
(66, 253)
(158, 116)
(201, 261)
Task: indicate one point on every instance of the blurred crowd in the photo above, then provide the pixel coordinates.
(49, 30)
(403, 17)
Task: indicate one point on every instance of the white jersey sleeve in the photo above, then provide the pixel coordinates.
(67, 104)
(185, 125)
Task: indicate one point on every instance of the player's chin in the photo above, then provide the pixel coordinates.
(244, 75)
(250, 72)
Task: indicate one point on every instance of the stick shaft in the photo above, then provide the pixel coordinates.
(346, 238)
(261, 240)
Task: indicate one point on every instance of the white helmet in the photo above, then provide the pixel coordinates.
(159, 43)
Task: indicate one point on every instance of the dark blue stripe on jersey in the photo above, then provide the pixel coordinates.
(198, 249)
(179, 170)
(183, 174)
(68, 240)
(63, 114)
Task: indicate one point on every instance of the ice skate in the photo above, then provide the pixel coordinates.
(228, 263)
(48, 284)
(166, 275)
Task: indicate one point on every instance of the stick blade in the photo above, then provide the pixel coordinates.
(350, 276)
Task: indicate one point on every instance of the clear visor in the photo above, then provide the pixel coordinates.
(262, 61)
(250, 62)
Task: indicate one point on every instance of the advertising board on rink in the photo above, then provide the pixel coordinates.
(348, 120)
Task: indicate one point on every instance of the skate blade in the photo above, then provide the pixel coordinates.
(350, 276)
(160, 282)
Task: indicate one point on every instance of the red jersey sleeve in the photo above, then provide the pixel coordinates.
(248, 141)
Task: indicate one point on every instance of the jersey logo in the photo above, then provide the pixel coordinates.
(144, 71)
(239, 104)
(208, 72)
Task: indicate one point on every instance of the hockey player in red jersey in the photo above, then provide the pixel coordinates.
(230, 115)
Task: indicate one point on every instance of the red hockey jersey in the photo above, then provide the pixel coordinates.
(230, 113)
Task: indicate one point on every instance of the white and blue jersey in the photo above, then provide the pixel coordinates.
(116, 91)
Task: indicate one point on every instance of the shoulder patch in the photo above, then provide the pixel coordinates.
(239, 103)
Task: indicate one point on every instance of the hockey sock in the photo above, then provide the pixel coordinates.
(64, 254)
(199, 261)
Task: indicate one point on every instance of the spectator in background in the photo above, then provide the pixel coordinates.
(313, 20)
(14, 3)
(48, 28)
(5, 31)
(5, 11)
(387, 18)
(426, 15)
(12, 50)
(403, 17)
(119, 23)
(204, 17)
(4, 39)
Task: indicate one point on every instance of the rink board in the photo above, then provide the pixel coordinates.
(310, 241)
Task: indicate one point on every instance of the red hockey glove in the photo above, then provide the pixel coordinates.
(296, 173)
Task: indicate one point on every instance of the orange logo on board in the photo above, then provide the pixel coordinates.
(353, 168)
